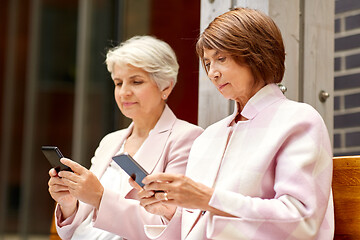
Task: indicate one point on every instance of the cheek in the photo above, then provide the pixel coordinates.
(117, 96)
(212, 81)
(147, 95)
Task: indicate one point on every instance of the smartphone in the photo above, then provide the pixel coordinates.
(131, 167)
(54, 155)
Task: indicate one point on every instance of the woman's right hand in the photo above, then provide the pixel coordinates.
(61, 194)
(179, 190)
(151, 204)
(156, 206)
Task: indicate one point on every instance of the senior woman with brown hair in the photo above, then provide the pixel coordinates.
(100, 203)
(265, 171)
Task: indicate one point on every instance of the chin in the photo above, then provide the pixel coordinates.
(228, 97)
(225, 95)
(127, 113)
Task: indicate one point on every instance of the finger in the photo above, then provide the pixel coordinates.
(162, 196)
(52, 172)
(163, 177)
(145, 194)
(69, 176)
(135, 184)
(159, 186)
(56, 181)
(159, 208)
(149, 201)
(154, 208)
(58, 189)
(69, 183)
(77, 168)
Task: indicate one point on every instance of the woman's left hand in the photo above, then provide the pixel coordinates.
(151, 204)
(179, 190)
(82, 183)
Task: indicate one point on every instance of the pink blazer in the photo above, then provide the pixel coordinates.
(274, 175)
(165, 150)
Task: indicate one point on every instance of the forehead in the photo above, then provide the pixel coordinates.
(210, 52)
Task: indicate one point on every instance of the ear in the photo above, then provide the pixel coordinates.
(166, 91)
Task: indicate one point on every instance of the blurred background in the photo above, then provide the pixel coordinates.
(55, 88)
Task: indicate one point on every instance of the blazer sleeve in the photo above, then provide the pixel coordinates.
(302, 185)
(66, 227)
(125, 217)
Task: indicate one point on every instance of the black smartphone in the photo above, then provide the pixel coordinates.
(54, 155)
(131, 167)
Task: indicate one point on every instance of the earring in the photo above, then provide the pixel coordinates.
(164, 96)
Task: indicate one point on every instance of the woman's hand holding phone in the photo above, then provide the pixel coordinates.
(181, 191)
(82, 183)
(150, 200)
(59, 191)
(53, 155)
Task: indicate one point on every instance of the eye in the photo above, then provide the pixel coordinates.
(207, 65)
(222, 59)
(137, 82)
(118, 83)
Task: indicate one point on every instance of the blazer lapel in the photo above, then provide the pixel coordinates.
(110, 151)
(208, 177)
(188, 221)
(191, 216)
(212, 154)
(150, 155)
(152, 149)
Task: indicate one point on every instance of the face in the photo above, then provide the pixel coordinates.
(234, 81)
(136, 94)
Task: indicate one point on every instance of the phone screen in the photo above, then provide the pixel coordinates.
(54, 155)
(131, 167)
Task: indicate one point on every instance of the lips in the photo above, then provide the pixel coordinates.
(222, 86)
(128, 104)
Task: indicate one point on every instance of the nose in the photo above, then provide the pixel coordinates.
(213, 73)
(124, 90)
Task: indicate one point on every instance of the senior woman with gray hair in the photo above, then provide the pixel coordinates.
(100, 203)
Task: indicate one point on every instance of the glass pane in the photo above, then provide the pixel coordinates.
(14, 71)
(4, 10)
(100, 103)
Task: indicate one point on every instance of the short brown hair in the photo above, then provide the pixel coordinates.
(249, 36)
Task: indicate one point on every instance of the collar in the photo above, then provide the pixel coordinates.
(262, 99)
(165, 122)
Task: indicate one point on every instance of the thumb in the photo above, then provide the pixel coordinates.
(134, 184)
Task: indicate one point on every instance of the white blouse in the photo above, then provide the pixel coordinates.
(112, 179)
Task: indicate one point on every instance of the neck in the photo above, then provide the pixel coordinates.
(238, 116)
(143, 125)
(242, 100)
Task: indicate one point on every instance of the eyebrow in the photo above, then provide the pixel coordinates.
(135, 76)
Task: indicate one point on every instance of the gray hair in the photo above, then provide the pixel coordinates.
(148, 53)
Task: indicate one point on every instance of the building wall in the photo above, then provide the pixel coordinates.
(347, 78)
